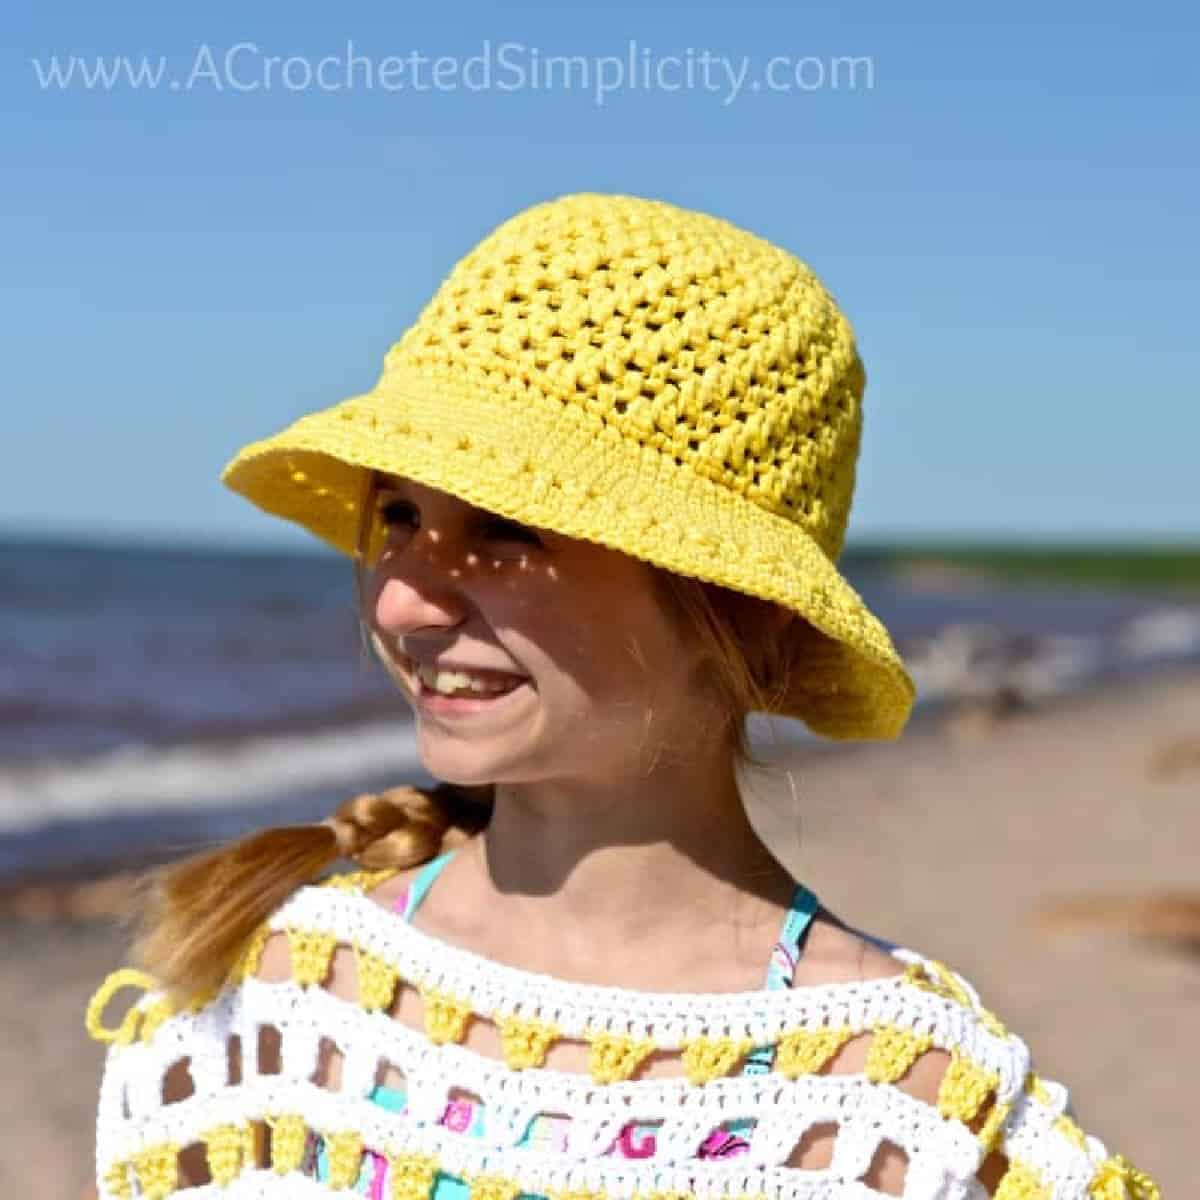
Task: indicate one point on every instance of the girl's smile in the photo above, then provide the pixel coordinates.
(579, 627)
(495, 697)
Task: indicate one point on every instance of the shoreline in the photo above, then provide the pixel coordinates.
(119, 844)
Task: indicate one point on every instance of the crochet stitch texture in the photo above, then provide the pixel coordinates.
(645, 376)
(990, 1097)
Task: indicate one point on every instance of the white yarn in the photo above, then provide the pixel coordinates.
(943, 1153)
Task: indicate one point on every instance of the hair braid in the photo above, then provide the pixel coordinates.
(200, 912)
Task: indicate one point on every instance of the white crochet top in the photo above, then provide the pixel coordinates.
(257, 1131)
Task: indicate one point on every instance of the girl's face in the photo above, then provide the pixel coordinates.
(609, 679)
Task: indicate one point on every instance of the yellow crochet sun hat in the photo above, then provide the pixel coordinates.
(645, 376)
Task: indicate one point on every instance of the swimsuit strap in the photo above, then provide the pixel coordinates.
(782, 966)
(804, 907)
(407, 903)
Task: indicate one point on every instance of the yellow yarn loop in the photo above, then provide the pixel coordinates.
(964, 1087)
(117, 1182)
(525, 1042)
(345, 1158)
(288, 1135)
(411, 1175)
(445, 1016)
(613, 1057)
(377, 980)
(936, 977)
(990, 1133)
(124, 1033)
(358, 881)
(311, 953)
(1021, 1182)
(892, 1053)
(706, 1059)
(248, 964)
(228, 1149)
(157, 1169)
(1119, 1179)
(806, 1051)
(492, 1187)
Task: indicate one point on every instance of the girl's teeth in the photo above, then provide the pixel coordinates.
(451, 683)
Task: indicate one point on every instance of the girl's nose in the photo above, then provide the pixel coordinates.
(403, 603)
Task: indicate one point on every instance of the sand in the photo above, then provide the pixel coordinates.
(972, 841)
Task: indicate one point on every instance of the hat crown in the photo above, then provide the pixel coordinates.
(676, 330)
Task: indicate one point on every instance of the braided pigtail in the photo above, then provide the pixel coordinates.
(199, 913)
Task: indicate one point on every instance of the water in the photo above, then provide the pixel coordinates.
(151, 696)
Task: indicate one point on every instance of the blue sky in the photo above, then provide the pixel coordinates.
(1005, 207)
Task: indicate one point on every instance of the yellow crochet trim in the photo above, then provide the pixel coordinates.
(124, 1033)
(1071, 1131)
(345, 1151)
(705, 1059)
(446, 1016)
(893, 1052)
(1021, 1182)
(964, 1087)
(990, 1135)
(358, 881)
(377, 980)
(1063, 1123)
(251, 957)
(1034, 1086)
(229, 1149)
(492, 1187)
(155, 1015)
(805, 1051)
(288, 1136)
(525, 1042)
(937, 978)
(116, 1180)
(411, 1176)
(1118, 1179)
(613, 1057)
(312, 953)
(157, 1169)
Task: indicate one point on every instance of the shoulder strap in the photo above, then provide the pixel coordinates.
(406, 905)
(790, 945)
(782, 965)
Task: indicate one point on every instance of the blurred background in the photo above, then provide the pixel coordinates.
(217, 219)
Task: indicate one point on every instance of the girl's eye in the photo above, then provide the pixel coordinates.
(508, 530)
(395, 512)
(401, 512)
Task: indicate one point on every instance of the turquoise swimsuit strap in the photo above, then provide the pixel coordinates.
(780, 970)
(422, 882)
(795, 924)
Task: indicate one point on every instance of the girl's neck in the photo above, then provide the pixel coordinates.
(630, 887)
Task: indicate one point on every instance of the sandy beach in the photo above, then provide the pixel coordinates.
(1046, 855)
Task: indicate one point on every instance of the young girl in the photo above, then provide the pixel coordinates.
(595, 503)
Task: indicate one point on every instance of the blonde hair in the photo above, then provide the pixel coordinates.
(199, 913)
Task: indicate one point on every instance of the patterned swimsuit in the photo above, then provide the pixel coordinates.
(547, 1131)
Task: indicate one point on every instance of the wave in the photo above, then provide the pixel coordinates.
(225, 774)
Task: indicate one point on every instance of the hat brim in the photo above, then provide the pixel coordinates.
(560, 468)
